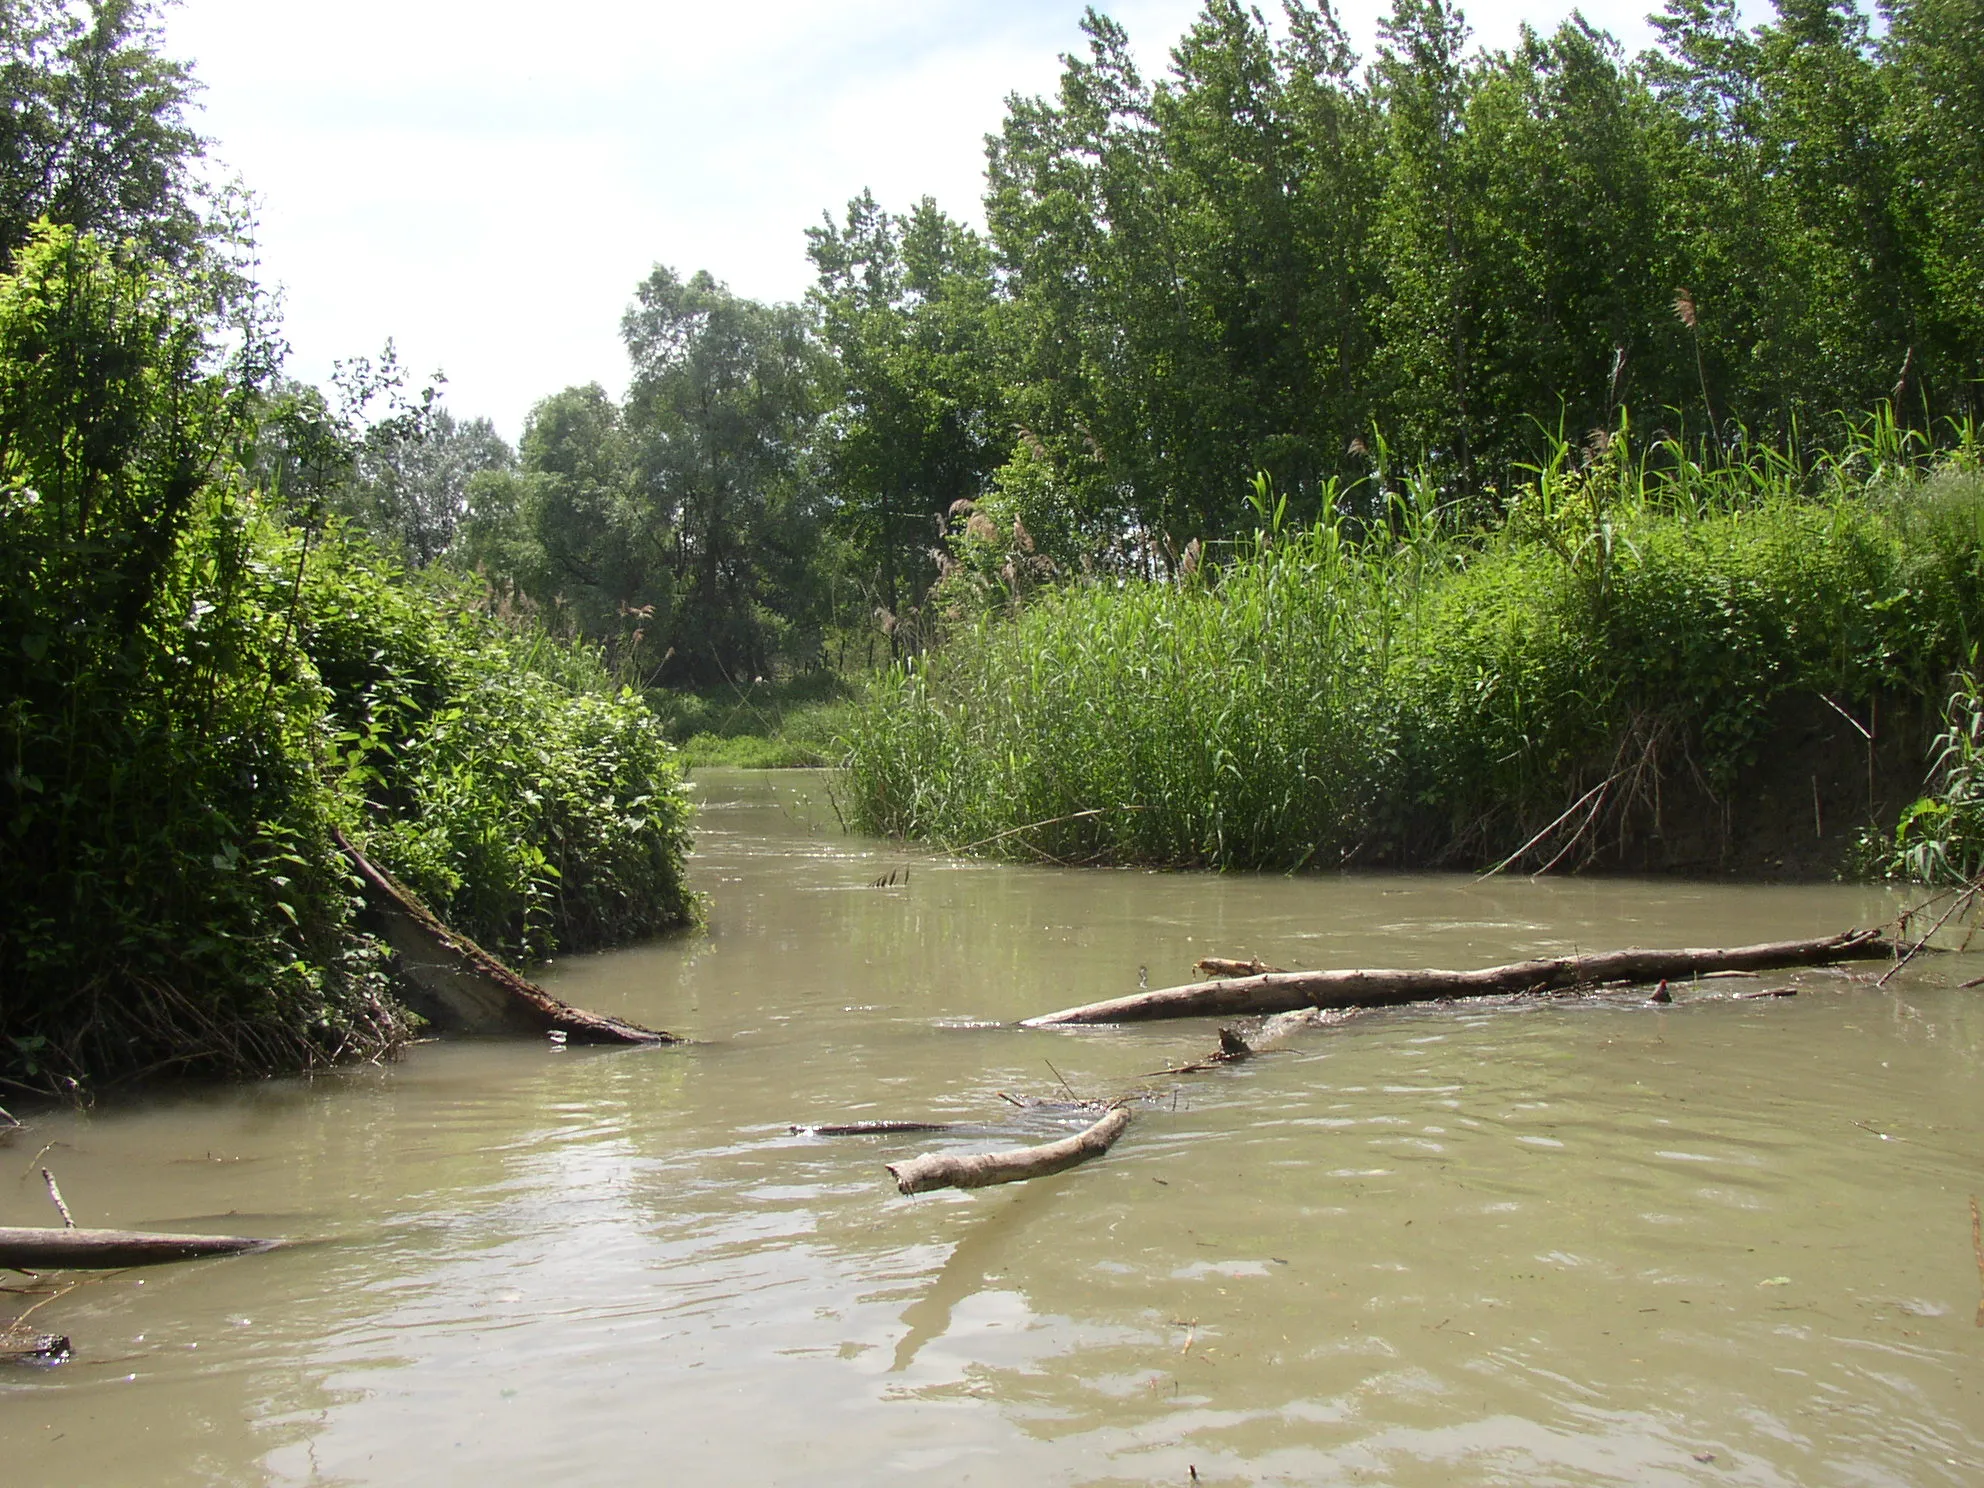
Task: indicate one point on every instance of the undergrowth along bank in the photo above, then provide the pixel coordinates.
(1401, 690)
(501, 774)
(193, 696)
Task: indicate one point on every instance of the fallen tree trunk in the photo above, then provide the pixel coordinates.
(983, 1169)
(105, 1250)
(1287, 991)
(460, 988)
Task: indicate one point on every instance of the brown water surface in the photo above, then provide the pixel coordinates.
(1725, 1242)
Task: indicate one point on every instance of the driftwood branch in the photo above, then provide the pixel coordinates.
(983, 1169)
(34, 1348)
(460, 988)
(1287, 991)
(103, 1250)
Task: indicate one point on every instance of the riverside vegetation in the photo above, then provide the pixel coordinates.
(973, 513)
(1412, 689)
(197, 692)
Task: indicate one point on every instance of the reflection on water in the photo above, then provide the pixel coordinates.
(1724, 1242)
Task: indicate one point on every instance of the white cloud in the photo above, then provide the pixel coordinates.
(487, 182)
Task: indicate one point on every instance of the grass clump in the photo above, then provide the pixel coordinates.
(1396, 691)
(1142, 722)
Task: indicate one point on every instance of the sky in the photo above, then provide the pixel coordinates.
(484, 182)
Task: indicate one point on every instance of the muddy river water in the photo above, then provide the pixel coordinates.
(1722, 1242)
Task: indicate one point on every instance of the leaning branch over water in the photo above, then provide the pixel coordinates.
(461, 988)
(983, 1169)
(1287, 991)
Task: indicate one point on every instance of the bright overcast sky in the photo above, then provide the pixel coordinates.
(486, 181)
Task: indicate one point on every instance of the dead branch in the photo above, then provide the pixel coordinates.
(983, 1169)
(1278, 992)
(1597, 790)
(1965, 897)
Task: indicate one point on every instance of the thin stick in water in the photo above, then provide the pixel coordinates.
(1062, 1078)
(68, 1219)
(1977, 1248)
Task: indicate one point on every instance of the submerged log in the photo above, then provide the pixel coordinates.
(41, 1349)
(105, 1250)
(983, 1169)
(1234, 1045)
(1226, 966)
(1287, 991)
(868, 1128)
(460, 988)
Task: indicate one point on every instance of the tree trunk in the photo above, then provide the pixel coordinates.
(1285, 991)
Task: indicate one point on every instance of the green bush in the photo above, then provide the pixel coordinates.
(174, 901)
(504, 779)
(1940, 839)
(193, 698)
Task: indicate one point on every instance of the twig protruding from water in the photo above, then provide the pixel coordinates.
(55, 1193)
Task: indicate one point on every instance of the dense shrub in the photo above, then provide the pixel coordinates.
(192, 698)
(173, 899)
(503, 778)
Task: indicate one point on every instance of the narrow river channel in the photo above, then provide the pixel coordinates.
(1724, 1242)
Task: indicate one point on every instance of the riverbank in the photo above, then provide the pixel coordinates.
(1637, 666)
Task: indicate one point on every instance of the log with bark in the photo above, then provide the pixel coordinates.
(460, 988)
(983, 1169)
(105, 1250)
(1287, 991)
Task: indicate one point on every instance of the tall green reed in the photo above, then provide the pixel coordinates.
(1402, 690)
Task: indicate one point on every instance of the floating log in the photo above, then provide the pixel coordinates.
(1286, 991)
(983, 1169)
(105, 1250)
(460, 988)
